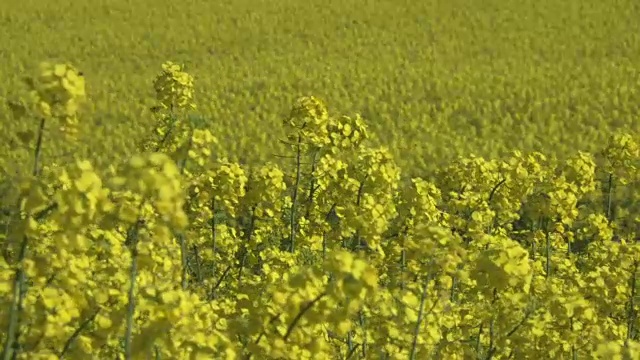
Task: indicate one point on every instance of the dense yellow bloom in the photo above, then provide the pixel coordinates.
(179, 252)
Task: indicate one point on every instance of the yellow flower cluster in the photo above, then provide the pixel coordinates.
(179, 253)
(174, 87)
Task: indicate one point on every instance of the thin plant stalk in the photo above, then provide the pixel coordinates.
(294, 197)
(416, 329)
(131, 306)
(19, 287)
(609, 197)
(631, 318)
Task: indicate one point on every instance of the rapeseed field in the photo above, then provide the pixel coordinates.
(435, 79)
(338, 180)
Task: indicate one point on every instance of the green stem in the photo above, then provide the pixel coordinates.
(294, 198)
(548, 245)
(16, 306)
(609, 197)
(212, 206)
(19, 284)
(301, 313)
(181, 237)
(37, 151)
(77, 332)
(631, 315)
(364, 333)
(478, 340)
(245, 250)
(312, 185)
(131, 306)
(416, 330)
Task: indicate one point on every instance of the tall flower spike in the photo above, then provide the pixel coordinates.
(174, 87)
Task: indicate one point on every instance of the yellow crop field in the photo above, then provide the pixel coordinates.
(435, 79)
(339, 180)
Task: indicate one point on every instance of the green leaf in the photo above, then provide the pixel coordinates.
(26, 136)
(17, 109)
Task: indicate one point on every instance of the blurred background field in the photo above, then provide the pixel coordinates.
(434, 79)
